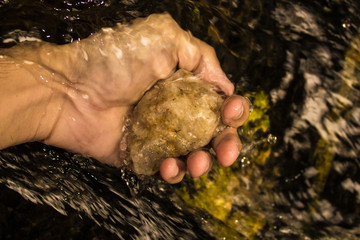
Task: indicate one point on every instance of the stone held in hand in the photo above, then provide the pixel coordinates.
(176, 116)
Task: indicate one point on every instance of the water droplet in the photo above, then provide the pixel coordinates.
(345, 25)
(271, 139)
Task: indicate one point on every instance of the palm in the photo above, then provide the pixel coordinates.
(92, 131)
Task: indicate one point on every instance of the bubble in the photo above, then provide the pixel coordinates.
(271, 139)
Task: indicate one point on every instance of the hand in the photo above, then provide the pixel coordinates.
(102, 76)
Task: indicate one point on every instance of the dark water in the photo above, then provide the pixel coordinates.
(299, 62)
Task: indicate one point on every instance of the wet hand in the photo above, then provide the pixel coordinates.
(104, 75)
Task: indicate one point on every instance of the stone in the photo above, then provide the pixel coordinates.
(176, 116)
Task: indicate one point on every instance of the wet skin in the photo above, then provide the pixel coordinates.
(77, 95)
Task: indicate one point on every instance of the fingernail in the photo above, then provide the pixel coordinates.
(178, 176)
(176, 173)
(239, 110)
(209, 167)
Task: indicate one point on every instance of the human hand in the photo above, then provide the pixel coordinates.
(104, 75)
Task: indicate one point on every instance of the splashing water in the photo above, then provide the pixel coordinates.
(298, 176)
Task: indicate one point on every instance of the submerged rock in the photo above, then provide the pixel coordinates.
(176, 116)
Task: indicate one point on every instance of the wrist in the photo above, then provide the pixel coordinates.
(29, 107)
(44, 56)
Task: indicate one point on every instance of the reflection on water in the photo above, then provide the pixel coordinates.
(299, 64)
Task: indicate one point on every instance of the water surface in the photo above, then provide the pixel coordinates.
(298, 61)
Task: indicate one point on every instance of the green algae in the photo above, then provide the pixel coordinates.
(259, 119)
(213, 193)
(218, 193)
(255, 129)
(323, 158)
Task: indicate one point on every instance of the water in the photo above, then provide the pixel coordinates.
(298, 62)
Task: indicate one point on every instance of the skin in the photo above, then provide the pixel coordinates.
(76, 96)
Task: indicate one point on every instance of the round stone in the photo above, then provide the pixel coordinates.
(176, 116)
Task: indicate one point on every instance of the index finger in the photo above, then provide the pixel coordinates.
(197, 56)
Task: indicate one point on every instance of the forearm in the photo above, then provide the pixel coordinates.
(28, 107)
(44, 56)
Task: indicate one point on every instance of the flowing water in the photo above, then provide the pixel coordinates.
(298, 176)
